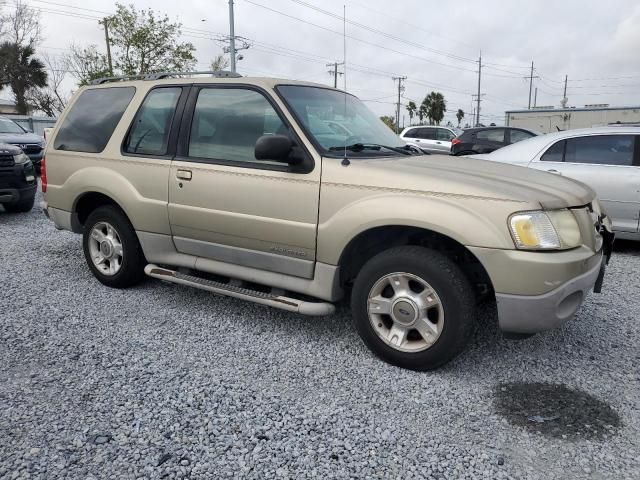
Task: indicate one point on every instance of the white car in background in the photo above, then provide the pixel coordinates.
(430, 138)
(605, 158)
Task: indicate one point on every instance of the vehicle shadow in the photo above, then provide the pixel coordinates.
(626, 246)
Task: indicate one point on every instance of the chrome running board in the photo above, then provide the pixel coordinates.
(272, 300)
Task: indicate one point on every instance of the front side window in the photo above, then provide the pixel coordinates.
(227, 122)
(92, 119)
(519, 135)
(149, 134)
(319, 109)
(413, 133)
(8, 126)
(601, 150)
(494, 135)
(445, 135)
(555, 153)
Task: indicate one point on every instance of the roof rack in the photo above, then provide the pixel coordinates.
(162, 75)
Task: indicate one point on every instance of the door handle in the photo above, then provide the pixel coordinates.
(184, 175)
(553, 170)
(417, 140)
(439, 143)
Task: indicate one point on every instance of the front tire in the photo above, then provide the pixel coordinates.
(413, 307)
(112, 249)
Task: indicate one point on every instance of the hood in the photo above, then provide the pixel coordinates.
(17, 138)
(481, 178)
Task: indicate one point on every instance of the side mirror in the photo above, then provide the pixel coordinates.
(274, 147)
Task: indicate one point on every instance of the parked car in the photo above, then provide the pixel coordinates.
(17, 180)
(193, 181)
(429, 138)
(30, 143)
(488, 139)
(605, 158)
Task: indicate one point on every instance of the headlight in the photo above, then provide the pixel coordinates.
(545, 230)
(21, 158)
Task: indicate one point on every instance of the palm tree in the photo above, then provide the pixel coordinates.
(422, 112)
(21, 72)
(436, 106)
(459, 116)
(411, 108)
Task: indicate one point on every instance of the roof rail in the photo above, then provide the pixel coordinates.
(213, 73)
(122, 78)
(161, 75)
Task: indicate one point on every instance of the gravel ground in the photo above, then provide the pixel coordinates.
(167, 382)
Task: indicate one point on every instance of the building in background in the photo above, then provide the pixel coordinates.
(550, 119)
(7, 107)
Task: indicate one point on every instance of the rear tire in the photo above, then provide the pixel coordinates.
(111, 248)
(431, 307)
(21, 206)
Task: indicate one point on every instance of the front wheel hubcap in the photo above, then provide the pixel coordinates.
(405, 312)
(105, 248)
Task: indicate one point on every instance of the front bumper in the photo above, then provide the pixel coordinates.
(531, 314)
(14, 195)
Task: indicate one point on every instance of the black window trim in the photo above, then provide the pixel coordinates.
(173, 129)
(71, 106)
(184, 136)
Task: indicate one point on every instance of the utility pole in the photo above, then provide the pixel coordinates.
(334, 71)
(105, 22)
(400, 90)
(479, 94)
(535, 98)
(531, 77)
(232, 39)
(565, 100)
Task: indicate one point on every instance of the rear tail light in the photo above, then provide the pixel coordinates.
(456, 141)
(43, 174)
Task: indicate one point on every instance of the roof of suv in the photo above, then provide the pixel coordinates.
(264, 82)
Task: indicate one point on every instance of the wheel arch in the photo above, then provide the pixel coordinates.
(372, 241)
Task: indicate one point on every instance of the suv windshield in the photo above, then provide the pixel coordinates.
(7, 126)
(334, 119)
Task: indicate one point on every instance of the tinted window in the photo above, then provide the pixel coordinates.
(601, 149)
(149, 134)
(427, 133)
(227, 123)
(92, 119)
(519, 135)
(445, 135)
(555, 153)
(413, 133)
(495, 135)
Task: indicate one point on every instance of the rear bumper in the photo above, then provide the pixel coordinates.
(536, 313)
(60, 218)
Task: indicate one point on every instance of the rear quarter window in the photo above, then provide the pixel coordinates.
(92, 119)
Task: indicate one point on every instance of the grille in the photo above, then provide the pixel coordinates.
(29, 147)
(6, 161)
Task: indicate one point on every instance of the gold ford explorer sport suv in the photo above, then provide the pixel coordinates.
(244, 187)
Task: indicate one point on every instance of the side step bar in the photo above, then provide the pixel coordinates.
(269, 299)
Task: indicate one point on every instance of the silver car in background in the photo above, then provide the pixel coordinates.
(605, 158)
(430, 138)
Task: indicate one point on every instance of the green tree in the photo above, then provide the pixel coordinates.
(389, 121)
(422, 112)
(86, 63)
(411, 108)
(460, 116)
(144, 42)
(436, 107)
(21, 72)
(220, 62)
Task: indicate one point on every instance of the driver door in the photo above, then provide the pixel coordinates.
(223, 203)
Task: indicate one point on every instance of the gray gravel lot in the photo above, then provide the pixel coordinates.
(167, 382)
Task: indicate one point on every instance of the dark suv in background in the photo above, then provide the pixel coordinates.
(30, 143)
(487, 139)
(17, 179)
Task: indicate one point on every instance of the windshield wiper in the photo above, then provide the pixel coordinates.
(359, 147)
